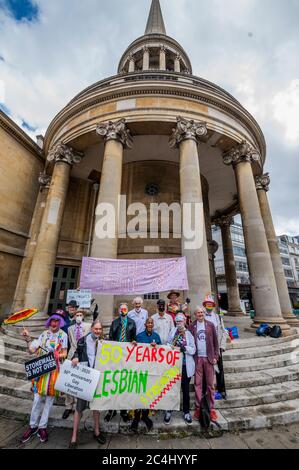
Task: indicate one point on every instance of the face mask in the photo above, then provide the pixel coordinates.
(161, 308)
(79, 320)
(124, 312)
(181, 328)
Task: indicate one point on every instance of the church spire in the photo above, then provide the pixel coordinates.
(155, 22)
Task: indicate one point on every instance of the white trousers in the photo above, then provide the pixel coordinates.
(41, 410)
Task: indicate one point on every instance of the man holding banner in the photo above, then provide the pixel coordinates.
(148, 336)
(86, 352)
(122, 329)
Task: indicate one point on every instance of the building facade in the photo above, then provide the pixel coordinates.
(289, 251)
(154, 132)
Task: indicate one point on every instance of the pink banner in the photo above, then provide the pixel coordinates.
(120, 277)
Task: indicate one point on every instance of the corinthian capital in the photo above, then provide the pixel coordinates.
(263, 182)
(187, 129)
(242, 152)
(63, 153)
(44, 180)
(224, 220)
(116, 131)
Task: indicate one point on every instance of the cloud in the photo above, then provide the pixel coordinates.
(249, 47)
(286, 111)
(21, 10)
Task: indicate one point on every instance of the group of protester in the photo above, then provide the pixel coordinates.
(69, 336)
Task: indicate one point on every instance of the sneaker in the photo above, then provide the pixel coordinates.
(167, 417)
(134, 425)
(66, 413)
(73, 445)
(187, 418)
(110, 415)
(101, 438)
(29, 434)
(213, 415)
(43, 435)
(148, 422)
(125, 416)
(196, 415)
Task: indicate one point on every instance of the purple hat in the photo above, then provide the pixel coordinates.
(55, 317)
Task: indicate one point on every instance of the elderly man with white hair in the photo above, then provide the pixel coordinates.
(138, 314)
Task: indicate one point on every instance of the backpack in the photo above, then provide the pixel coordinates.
(263, 330)
(275, 332)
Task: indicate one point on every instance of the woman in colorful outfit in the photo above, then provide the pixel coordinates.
(181, 338)
(51, 340)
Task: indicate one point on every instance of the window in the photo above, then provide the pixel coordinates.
(286, 261)
(239, 251)
(65, 278)
(241, 266)
(152, 296)
(288, 273)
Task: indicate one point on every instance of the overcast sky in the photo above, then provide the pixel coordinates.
(52, 49)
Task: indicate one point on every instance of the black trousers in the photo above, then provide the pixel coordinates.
(140, 414)
(220, 380)
(185, 389)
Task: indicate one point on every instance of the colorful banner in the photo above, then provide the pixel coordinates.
(121, 277)
(137, 377)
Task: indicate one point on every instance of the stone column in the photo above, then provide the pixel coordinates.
(262, 186)
(162, 58)
(177, 64)
(43, 264)
(117, 137)
(185, 136)
(233, 294)
(131, 63)
(145, 65)
(263, 285)
(44, 181)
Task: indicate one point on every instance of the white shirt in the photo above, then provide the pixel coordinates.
(201, 339)
(91, 350)
(139, 319)
(163, 326)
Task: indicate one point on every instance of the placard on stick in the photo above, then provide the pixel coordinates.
(40, 366)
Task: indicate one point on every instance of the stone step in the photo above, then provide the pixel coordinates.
(262, 351)
(261, 378)
(236, 398)
(262, 363)
(14, 343)
(257, 341)
(12, 369)
(17, 356)
(237, 419)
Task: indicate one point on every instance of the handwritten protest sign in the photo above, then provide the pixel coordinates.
(40, 366)
(80, 381)
(140, 377)
(82, 297)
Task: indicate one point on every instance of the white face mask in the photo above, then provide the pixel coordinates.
(79, 320)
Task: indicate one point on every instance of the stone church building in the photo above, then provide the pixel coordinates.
(155, 133)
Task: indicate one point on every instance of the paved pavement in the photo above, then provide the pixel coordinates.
(276, 438)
